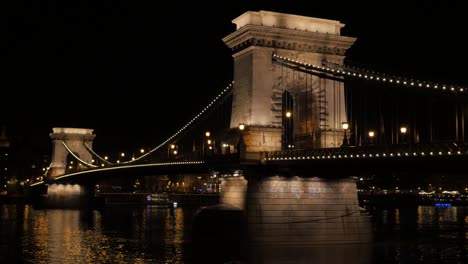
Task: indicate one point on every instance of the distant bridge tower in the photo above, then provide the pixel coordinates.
(74, 138)
(260, 86)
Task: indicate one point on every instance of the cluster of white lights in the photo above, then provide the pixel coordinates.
(364, 155)
(357, 73)
(129, 167)
(216, 99)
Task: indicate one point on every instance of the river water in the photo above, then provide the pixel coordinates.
(422, 234)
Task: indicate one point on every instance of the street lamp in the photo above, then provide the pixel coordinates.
(207, 135)
(172, 150)
(403, 130)
(371, 136)
(241, 145)
(345, 127)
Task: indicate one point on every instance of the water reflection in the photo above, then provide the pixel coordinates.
(422, 234)
(113, 235)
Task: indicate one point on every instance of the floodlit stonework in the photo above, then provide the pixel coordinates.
(260, 83)
(74, 138)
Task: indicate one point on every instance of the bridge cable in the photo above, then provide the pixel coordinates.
(77, 158)
(97, 156)
(348, 71)
(221, 96)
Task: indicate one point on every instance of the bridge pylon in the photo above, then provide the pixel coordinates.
(262, 87)
(74, 139)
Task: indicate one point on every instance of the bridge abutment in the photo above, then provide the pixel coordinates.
(72, 196)
(303, 218)
(298, 210)
(233, 191)
(305, 211)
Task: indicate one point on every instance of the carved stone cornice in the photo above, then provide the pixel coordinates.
(76, 137)
(288, 39)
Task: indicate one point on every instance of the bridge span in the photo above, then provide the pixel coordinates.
(297, 138)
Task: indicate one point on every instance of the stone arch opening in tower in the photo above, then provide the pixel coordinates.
(288, 116)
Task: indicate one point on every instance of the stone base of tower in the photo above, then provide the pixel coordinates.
(256, 139)
(330, 139)
(233, 191)
(305, 211)
(70, 196)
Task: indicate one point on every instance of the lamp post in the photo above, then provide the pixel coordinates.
(241, 145)
(206, 138)
(172, 150)
(403, 130)
(371, 137)
(345, 127)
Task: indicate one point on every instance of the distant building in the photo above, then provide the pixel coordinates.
(4, 142)
(4, 159)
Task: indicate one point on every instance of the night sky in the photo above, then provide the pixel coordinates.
(136, 72)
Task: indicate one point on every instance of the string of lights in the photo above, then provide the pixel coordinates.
(78, 158)
(220, 96)
(342, 70)
(177, 163)
(97, 155)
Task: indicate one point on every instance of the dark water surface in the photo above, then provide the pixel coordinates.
(423, 234)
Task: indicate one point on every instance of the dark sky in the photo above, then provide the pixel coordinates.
(135, 72)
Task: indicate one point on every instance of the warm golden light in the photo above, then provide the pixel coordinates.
(175, 152)
(172, 146)
(403, 129)
(241, 126)
(142, 150)
(288, 114)
(345, 125)
(209, 141)
(106, 158)
(122, 154)
(371, 134)
(207, 133)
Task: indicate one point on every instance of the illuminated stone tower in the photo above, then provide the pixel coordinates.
(261, 84)
(74, 138)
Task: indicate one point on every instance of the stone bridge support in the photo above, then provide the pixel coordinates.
(74, 138)
(303, 218)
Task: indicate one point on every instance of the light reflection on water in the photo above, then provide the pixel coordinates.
(421, 234)
(114, 235)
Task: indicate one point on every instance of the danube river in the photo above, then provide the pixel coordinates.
(417, 234)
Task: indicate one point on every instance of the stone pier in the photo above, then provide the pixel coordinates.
(306, 211)
(303, 220)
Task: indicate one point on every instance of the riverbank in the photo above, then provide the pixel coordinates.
(411, 200)
(159, 199)
(206, 199)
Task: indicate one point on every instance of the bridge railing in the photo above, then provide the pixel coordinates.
(440, 148)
